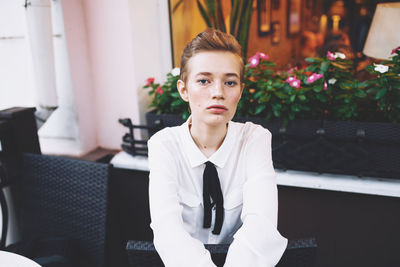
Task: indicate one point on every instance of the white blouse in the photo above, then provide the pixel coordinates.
(248, 184)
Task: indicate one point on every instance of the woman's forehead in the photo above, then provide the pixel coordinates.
(213, 62)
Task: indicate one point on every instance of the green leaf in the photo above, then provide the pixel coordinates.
(176, 103)
(259, 109)
(212, 11)
(312, 68)
(277, 113)
(258, 94)
(280, 95)
(268, 64)
(317, 89)
(220, 17)
(204, 14)
(295, 108)
(185, 114)
(177, 5)
(277, 105)
(292, 98)
(244, 24)
(381, 92)
(325, 66)
(313, 60)
(234, 17)
(363, 84)
(175, 94)
(361, 94)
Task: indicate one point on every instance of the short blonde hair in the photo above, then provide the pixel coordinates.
(211, 40)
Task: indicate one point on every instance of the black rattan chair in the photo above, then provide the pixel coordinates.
(63, 201)
(299, 253)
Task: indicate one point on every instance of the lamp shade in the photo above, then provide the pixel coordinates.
(384, 33)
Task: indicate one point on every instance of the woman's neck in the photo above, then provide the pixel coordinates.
(208, 139)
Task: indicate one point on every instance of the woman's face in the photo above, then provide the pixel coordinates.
(213, 87)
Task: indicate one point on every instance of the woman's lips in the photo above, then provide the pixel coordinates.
(217, 109)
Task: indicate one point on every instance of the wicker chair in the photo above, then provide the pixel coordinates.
(299, 253)
(64, 199)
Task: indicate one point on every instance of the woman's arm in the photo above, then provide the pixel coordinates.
(258, 242)
(173, 243)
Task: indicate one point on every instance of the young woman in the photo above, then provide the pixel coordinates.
(212, 180)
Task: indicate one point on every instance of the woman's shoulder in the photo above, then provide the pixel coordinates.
(165, 135)
(250, 130)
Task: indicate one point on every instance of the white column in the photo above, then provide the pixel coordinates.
(59, 135)
(39, 32)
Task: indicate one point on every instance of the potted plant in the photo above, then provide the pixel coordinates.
(322, 117)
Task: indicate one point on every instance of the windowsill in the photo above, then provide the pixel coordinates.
(339, 182)
(312, 180)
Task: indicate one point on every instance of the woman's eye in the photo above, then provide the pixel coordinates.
(203, 81)
(231, 83)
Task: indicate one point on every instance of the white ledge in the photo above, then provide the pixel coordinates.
(326, 181)
(339, 182)
(125, 161)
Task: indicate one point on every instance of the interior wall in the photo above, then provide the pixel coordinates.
(17, 82)
(151, 46)
(76, 34)
(112, 67)
(282, 53)
(113, 47)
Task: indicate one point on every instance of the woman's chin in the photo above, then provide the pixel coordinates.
(213, 119)
(218, 119)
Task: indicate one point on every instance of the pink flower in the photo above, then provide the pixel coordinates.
(291, 79)
(149, 81)
(295, 83)
(262, 55)
(159, 90)
(330, 55)
(395, 50)
(325, 86)
(254, 61)
(291, 70)
(313, 77)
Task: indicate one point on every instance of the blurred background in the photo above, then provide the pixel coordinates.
(98, 54)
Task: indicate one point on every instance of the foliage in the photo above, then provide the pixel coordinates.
(385, 87)
(240, 18)
(327, 89)
(166, 98)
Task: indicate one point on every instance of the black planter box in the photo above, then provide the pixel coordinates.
(354, 148)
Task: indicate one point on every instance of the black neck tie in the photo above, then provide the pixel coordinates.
(212, 191)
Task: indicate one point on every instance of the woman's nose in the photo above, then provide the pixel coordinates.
(218, 90)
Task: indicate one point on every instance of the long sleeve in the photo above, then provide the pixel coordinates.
(174, 244)
(258, 242)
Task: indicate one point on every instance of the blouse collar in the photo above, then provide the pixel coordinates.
(196, 157)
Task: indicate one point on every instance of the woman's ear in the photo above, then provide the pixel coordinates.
(182, 90)
(241, 89)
